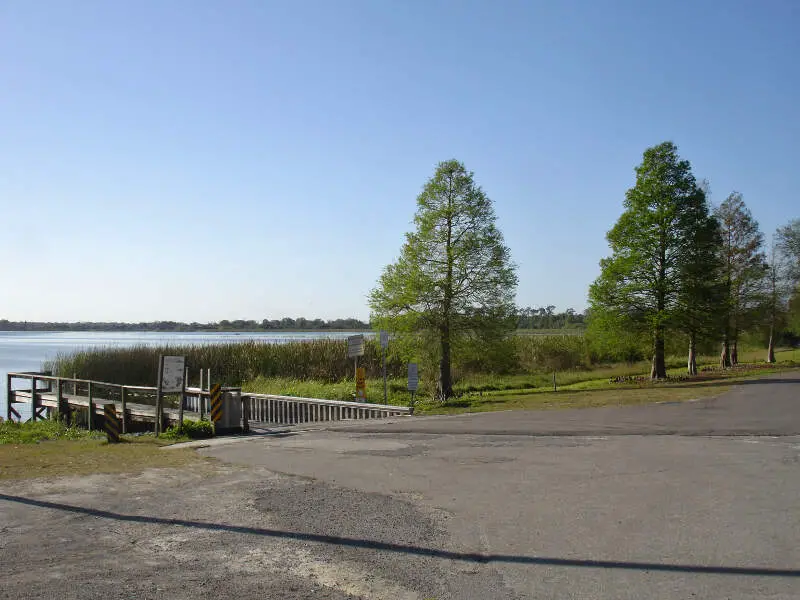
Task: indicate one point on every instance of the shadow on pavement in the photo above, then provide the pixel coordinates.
(408, 549)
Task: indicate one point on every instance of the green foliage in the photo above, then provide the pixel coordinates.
(545, 317)
(551, 353)
(38, 431)
(611, 338)
(793, 313)
(788, 238)
(652, 248)
(454, 279)
(743, 265)
(194, 430)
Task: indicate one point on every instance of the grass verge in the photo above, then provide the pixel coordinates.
(86, 454)
(31, 433)
(595, 393)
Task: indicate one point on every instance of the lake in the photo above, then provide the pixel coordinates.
(27, 350)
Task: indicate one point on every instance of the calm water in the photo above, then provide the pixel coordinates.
(26, 351)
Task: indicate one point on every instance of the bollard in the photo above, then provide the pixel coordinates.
(111, 423)
(215, 394)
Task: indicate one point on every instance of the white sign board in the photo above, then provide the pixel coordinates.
(413, 377)
(172, 374)
(384, 339)
(355, 346)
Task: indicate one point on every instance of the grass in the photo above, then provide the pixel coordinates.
(586, 393)
(571, 399)
(88, 455)
(31, 433)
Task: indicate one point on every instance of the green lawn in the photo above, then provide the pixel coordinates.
(54, 458)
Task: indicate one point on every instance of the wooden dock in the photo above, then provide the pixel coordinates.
(69, 397)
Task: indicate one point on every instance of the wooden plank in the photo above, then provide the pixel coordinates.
(90, 412)
(183, 395)
(33, 399)
(40, 377)
(134, 409)
(124, 399)
(63, 409)
(9, 396)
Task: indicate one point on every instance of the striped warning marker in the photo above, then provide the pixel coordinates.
(216, 402)
(111, 423)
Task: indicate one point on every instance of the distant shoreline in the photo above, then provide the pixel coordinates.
(204, 331)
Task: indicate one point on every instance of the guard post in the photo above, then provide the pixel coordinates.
(215, 402)
(111, 423)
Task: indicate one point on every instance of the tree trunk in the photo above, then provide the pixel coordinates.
(659, 368)
(735, 353)
(445, 386)
(771, 347)
(692, 365)
(725, 356)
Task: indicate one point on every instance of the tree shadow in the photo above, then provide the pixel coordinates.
(473, 557)
(728, 382)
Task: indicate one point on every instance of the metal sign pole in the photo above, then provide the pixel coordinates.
(413, 382)
(159, 396)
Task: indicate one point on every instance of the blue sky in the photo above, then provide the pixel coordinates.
(198, 160)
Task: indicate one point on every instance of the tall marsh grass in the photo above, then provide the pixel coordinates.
(230, 364)
(323, 360)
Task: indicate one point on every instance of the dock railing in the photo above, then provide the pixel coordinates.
(62, 395)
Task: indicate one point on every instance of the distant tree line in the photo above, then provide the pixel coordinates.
(546, 317)
(527, 318)
(287, 323)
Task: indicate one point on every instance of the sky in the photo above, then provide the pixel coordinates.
(199, 160)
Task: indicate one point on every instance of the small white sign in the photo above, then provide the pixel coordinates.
(355, 346)
(172, 374)
(384, 339)
(413, 377)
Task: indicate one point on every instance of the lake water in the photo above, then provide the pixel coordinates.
(26, 351)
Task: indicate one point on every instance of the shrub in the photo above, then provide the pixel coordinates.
(192, 429)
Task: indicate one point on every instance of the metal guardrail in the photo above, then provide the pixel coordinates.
(291, 410)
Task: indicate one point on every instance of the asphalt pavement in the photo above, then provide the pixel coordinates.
(692, 499)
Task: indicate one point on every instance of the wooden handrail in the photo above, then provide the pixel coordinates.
(32, 375)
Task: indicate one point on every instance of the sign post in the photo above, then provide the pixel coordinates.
(355, 348)
(170, 381)
(159, 396)
(361, 384)
(384, 345)
(413, 382)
